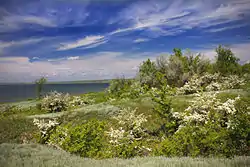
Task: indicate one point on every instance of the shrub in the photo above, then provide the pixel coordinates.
(163, 106)
(46, 128)
(129, 139)
(209, 127)
(232, 82)
(55, 102)
(118, 86)
(85, 139)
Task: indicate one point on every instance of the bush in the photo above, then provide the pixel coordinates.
(55, 102)
(163, 106)
(85, 139)
(46, 128)
(118, 86)
(209, 127)
(129, 139)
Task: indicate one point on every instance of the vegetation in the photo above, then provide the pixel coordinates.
(39, 86)
(179, 106)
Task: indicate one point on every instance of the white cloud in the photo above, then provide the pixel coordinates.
(226, 28)
(4, 44)
(36, 20)
(168, 18)
(101, 65)
(87, 42)
(13, 22)
(139, 40)
(73, 58)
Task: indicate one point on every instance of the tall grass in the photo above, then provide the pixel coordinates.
(14, 155)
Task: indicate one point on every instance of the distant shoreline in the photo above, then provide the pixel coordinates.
(62, 82)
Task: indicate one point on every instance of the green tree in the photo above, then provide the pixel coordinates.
(226, 61)
(39, 86)
(147, 71)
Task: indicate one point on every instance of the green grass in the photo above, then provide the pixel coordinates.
(30, 155)
(13, 128)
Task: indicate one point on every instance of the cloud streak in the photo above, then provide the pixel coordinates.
(87, 42)
(173, 17)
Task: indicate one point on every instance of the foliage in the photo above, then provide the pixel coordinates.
(46, 128)
(55, 102)
(39, 86)
(118, 86)
(210, 127)
(147, 71)
(85, 139)
(226, 62)
(246, 68)
(178, 68)
(127, 140)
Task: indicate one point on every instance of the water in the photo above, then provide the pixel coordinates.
(20, 92)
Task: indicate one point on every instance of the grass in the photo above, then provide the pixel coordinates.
(15, 124)
(29, 155)
(13, 128)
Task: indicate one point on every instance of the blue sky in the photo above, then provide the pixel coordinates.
(101, 39)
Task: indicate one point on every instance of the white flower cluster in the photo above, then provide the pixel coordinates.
(76, 101)
(214, 86)
(232, 82)
(192, 86)
(204, 107)
(131, 126)
(45, 126)
(55, 102)
(116, 135)
(210, 82)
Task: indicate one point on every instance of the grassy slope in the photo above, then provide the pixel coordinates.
(14, 155)
(13, 126)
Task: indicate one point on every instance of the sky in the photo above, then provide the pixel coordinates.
(102, 39)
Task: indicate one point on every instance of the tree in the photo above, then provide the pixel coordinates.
(39, 86)
(147, 71)
(226, 61)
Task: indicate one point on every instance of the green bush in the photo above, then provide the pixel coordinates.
(118, 86)
(211, 128)
(85, 139)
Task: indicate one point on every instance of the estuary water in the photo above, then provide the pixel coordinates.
(21, 92)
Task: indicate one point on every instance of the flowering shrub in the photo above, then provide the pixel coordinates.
(205, 108)
(76, 101)
(45, 127)
(131, 126)
(210, 127)
(210, 82)
(192, 86)
(232, 82)
(55, 102)
(214, 86)
(127, 140)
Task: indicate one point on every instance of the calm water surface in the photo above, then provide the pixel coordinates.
(19, 92)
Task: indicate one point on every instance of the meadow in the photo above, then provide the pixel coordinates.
(181, 110)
